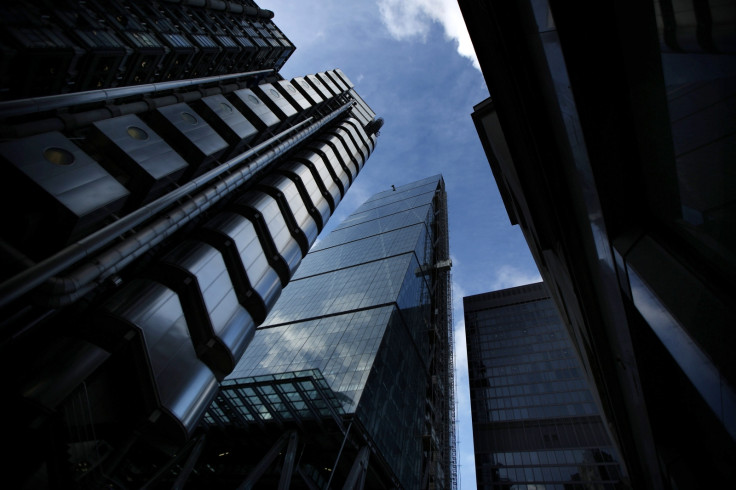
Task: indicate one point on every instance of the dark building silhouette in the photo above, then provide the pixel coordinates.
(610, 132)
(536, 421)
(160, 184)
(354, 362)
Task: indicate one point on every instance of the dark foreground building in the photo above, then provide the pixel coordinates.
(160, 184)
(611, 135)
(536, 423)
(354, 363)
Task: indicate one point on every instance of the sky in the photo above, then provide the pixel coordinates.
(413, 63)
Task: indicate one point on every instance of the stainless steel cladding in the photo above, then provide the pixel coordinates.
(325, 151)
(146, 321)
(126, 142)
(322, 173)
(363, 150)
(306, 89)
(294, 97)
(337, 80)
(360, 130)
(278, 104)
(344, 78)
(351, 144)
(284, 252)
(256, 283)
(319, 87)
(229, 122)
(220, 327)
(187, 131)
(314, 188)
(329, 83)
(53, 191)
(342, 153)
(255, 110)
(284, 189)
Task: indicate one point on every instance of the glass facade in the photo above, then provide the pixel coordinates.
(535, 421)
(358, 312)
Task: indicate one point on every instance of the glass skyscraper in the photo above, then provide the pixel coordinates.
(535, 421)
(161, 183)
(361, 335)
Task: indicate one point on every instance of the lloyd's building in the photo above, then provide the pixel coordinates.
(161, 182)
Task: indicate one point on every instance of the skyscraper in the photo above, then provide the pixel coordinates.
(611, 139)
(160, 187)
(356, 356)
(536, 422)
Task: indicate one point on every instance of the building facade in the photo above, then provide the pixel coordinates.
(365, 325)
(536, 422)
(611, 141)
(157, 198)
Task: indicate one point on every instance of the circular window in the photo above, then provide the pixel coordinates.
(253, 99)
(275, 93)
(291, 89)
(227, 109)
(58, 156)
(137, 133)
(305, 85)
(189, 118)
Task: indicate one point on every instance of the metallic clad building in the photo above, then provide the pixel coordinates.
(355, 359)
(612, 141)
(536, 423)
(150, 223)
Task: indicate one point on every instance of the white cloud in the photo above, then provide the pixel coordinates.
(407, 19)
(508, 276)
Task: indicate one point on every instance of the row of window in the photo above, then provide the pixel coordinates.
(590, 474)
(559, 398)
(530, 389)
(528, 378)
(490, 351)
(549, 411)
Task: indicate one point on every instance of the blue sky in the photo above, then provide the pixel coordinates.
(412, 62)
